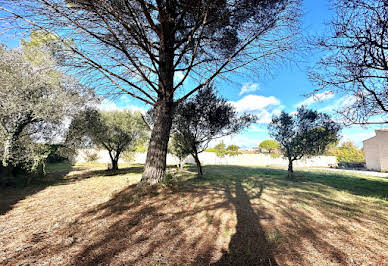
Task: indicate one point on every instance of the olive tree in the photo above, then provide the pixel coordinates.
(204, 118)
(307, 133)
(36, 99)
(149, 48)
(114, 131)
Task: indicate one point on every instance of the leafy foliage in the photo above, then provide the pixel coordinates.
(220, 149)
(232, 150)
(114, 131)
(91, 156)
(269, 145)
(204, 118)
(305, 134)
(347, 153)
(36, 99)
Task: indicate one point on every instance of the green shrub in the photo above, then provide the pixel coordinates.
(168, 180)
(347, 153)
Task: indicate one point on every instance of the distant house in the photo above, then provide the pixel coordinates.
(376, 151)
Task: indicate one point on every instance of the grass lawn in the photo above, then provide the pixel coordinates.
(233, 216)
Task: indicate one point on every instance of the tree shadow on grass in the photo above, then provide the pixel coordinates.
(186, 226)
(249, 245)
(356, 185)
(57, 174)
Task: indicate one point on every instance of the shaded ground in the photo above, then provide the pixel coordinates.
(233, 216)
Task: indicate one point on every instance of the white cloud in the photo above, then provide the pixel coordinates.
(249, 87)
(340, 103)
(108, 105)
(263, 107)
(252, 103)
(319, 97)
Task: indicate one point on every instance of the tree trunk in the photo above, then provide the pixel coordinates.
(290, 169)
(115, 165)
(157, 149)
(199, 166)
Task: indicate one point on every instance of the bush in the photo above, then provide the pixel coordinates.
(169, 180)
(347, 153)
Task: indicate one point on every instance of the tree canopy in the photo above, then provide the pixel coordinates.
(114, 131)
(204, 118)
(36, 99)
(355, 63)
(269, 145)
(306, 133)
(140, 47)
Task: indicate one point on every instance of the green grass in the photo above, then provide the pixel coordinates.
(244, 213)
(356, 184)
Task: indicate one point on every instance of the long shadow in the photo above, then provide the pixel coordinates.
(138, 229)
(249, 245)
(57, 174)
(356, 185)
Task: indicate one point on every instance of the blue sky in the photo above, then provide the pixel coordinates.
(266, 94)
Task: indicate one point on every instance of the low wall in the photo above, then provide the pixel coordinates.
(211, 158)
(103, 157)
(263, 160)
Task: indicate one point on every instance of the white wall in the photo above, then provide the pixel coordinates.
(263, 160)
(211, 158)
(376, 151)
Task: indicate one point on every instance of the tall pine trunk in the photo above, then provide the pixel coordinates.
(157, 149)
(155, 165)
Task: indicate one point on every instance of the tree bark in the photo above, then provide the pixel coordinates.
(157, 149)
(290, 169)
(199, 166)
(115, 165)
(114, 160)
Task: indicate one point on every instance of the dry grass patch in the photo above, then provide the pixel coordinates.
(233, 216)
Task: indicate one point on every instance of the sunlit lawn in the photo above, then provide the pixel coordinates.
(233, 216)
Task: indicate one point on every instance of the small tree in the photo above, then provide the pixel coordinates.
(232, 150)
(204, 118)
(305, 134)
(114, 131)
(270, 145)
(220, 149)
(179, 148)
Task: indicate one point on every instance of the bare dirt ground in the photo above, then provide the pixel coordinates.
(234, 216)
